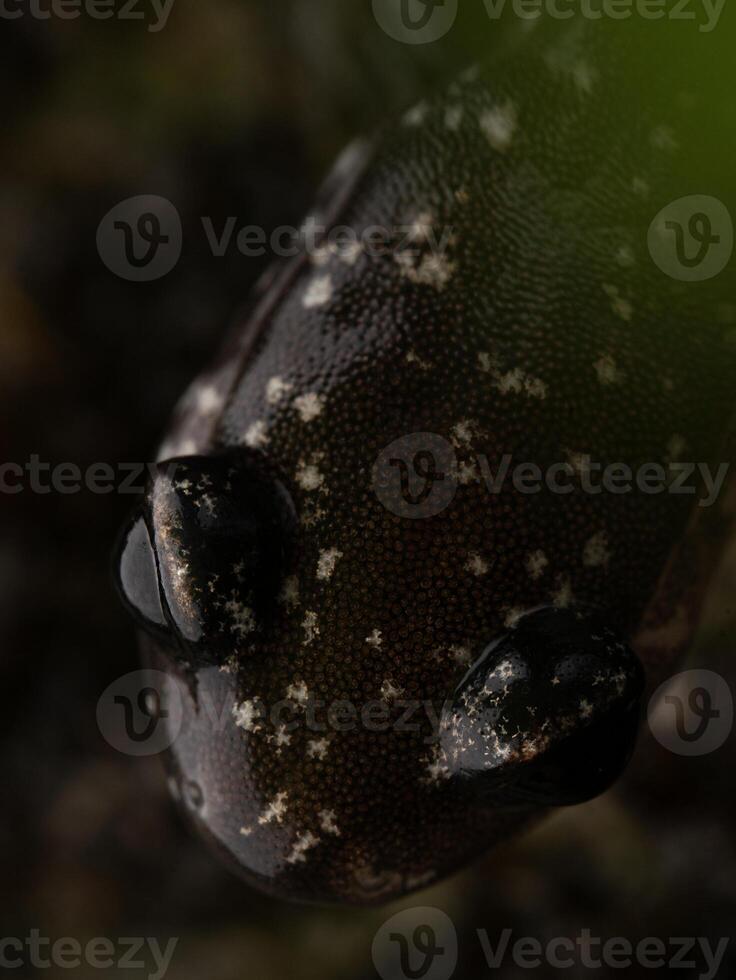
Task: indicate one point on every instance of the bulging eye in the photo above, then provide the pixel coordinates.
(206, 556)
(548, 715)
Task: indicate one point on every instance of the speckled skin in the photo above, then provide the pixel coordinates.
(544, 331)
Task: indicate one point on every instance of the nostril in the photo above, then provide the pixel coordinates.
(548, 715)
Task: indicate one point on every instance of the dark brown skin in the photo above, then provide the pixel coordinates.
(294, 572)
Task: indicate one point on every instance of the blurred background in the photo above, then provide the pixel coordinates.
(233, 108)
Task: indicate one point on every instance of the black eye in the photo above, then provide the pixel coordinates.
(548, 715)
(208, 555)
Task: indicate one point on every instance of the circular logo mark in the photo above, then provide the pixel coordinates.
(415, 21)
(140, 713)
(692, 712)
(416, 476)
(140, 239)
(692, 238)
(416, 943)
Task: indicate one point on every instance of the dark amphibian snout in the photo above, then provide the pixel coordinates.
(327, 768)
(374, 695)
(548, 715)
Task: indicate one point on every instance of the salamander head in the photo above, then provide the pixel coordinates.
(390, 655)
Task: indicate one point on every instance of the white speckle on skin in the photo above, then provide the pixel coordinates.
(536, 563)
(437, 768)
(468, 472)
(535, 388)
(421, 227)
(247, 715)
(326, 564)
(309, 406)
(596, 553)
(511, 381)
(304, 843)
(375, 640)
(246, 831)
(317, 748)
(327, 822)
(276, 389)
(586, 709)
(281, 738)
(499, 125)
(256, 436)
(298, 693)
(275, 811)
(607, 371)
(413, 358)
(562, 597)
(310, 627)
(241, 616)
(514, 380)
(318, 293)
(433, 270)
(462, 433)
(389, 691)
(476, 565)
(309, 477)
